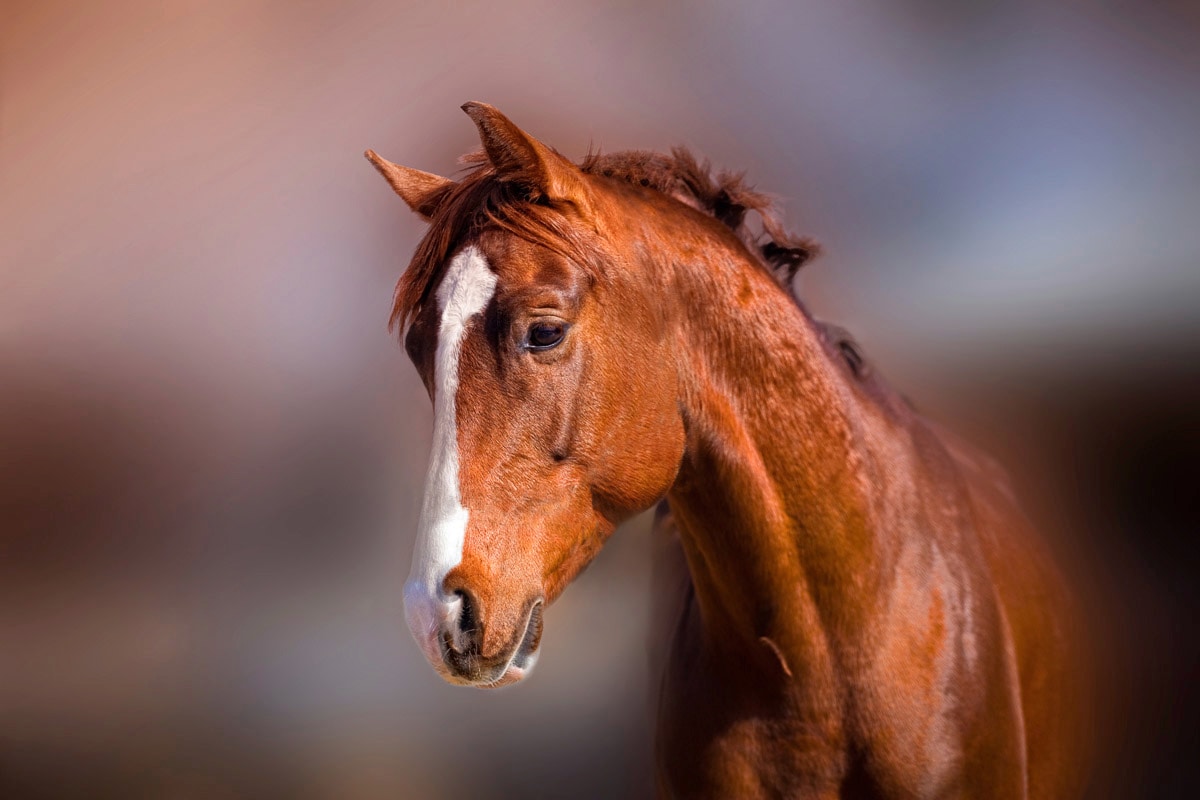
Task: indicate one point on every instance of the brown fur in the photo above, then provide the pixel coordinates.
(866, 612)
(484, 198)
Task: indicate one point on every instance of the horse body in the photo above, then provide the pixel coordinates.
(867, 613)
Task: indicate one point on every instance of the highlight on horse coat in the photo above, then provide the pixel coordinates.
(866, 612)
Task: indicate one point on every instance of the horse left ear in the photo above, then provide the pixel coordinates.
(423, 191)
(520, 158)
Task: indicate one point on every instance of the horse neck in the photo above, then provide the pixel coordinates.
(783, 479)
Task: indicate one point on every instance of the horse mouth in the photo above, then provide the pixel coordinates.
(527, 651)
(470, 668)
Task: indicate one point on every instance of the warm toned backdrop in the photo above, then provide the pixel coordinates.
(211, 450)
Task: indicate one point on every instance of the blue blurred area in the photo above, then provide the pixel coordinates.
(211, 450)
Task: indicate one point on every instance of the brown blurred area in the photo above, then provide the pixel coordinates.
(211, 450)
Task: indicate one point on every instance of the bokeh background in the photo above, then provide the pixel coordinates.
(211, 450)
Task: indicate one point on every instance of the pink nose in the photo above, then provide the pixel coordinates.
(447, 628)
(432, 618)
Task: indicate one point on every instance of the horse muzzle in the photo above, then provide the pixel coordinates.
(450, 632)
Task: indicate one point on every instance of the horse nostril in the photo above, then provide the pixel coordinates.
(468, 621)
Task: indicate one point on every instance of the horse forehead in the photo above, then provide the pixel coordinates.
(466, 287)
(522, 265)
(519, 270)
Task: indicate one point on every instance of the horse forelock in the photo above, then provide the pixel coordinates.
(481, 199)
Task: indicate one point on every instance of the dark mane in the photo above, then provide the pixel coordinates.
(725, 197)
(480, 199)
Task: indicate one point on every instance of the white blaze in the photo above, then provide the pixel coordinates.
(465, 291)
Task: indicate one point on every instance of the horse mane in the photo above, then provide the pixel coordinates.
(724, 196)
(480, 199)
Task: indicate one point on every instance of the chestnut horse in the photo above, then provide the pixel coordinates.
(866, 611)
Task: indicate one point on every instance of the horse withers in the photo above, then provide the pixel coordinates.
(866, 610)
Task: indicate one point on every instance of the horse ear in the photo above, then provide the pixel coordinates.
(423, 191)
(519, 158)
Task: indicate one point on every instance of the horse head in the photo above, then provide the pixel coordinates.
(554, 389)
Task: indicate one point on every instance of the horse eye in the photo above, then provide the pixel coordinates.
(544, 335)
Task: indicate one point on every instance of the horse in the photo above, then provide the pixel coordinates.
(865, 611)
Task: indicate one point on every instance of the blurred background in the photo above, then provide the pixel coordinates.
(211, 450)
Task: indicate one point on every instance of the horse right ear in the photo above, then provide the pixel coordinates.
(423, 191)
(519, 158)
